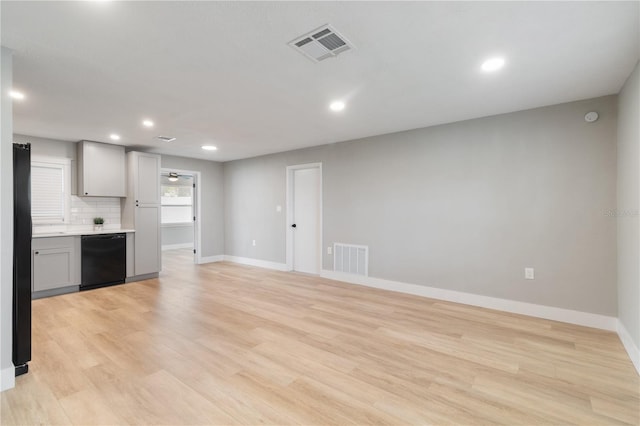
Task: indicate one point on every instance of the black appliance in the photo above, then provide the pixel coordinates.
(21, 257)
(104, 260)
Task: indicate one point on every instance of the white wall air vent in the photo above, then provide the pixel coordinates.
(321, 43)
(351, 259)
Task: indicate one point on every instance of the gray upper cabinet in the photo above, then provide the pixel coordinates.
(101, 170)
(146, 186)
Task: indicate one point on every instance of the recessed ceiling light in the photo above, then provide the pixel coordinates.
(492, 64)
(209, 147)
(337, 106)
(147, 123)
(114, 137)
(16, 95)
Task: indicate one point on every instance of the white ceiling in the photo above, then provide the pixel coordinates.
(221, 73)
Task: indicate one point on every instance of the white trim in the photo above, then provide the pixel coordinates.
(197, 202)
(629, 345)
(210, 259)
(257, 262)
(289, 207)
(177, 246)
(7, 378)
(540, 311)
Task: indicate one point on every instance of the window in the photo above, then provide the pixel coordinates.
(177, 202)
(50, 188)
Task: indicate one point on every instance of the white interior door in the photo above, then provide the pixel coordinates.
(193, 178)
(306, 220)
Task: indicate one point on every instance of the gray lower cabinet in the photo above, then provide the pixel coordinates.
(55, 263)
(147, 240)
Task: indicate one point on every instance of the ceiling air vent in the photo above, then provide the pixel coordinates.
(321, 43)
(166, 138)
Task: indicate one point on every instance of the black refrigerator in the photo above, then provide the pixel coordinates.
(21, 257)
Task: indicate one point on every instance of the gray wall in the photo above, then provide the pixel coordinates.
(464, 206)
(6, 220)
(45, 147)
(629, 206)
(50, 147)
(212, 209)
(176, 234)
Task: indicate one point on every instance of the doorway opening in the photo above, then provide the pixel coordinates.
(180, 214)
(304, 218)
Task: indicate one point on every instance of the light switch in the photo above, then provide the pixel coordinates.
(329, 250)
(278, 209)
(528, 273)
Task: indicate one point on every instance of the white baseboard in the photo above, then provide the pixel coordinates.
(7, 378)
(256, 262)
(177, 246)
(629, 346)
(209, 259)
(540, 311)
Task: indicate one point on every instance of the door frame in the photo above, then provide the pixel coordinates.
(289, 216)
(196, 207)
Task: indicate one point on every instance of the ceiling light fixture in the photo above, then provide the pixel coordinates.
(173, 177)
(114, 137)
(209, 148)
(166, 138)
(147, 123)
(337, 106)
(16, 95)
(492, 64)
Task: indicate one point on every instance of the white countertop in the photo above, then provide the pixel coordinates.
(80, 232)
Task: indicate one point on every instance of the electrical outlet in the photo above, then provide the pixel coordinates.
(329, 250)
(253, 242)
(528, 274)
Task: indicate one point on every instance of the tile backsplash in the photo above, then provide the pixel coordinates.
(84, 209)
(82, 212)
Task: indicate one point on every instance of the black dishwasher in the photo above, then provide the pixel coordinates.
(104, 260)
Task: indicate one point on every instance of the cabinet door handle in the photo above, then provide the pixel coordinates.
(86, 193)
(37, 252)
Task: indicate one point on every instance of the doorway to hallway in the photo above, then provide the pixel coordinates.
(180, 222)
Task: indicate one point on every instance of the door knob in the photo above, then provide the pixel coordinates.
(293, 226)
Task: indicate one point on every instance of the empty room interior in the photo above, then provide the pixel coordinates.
(320, 213)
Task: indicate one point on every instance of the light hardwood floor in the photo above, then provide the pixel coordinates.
(229, 344)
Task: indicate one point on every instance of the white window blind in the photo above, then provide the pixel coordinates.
(177, 214)
(177, 203)
(47, 192)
